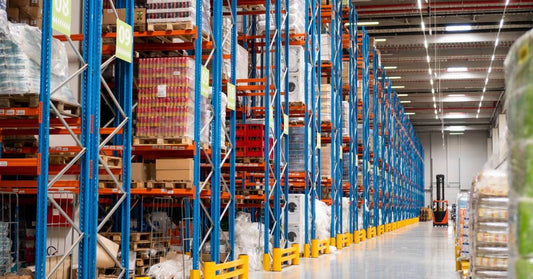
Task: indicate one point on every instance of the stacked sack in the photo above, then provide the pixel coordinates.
(489, 226)
(20, 61)
(519, 84)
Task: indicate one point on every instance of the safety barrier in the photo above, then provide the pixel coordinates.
(381, 230)
(280, 256)
(371, 232)
(319, 247)
(237, 268)
(344, 240)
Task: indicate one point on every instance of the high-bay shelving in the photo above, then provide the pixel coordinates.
(391, 169)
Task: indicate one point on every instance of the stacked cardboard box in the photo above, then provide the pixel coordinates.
(174, 169)
(178, 12)
(325, 102)
(166, 98)
(109, 19)
(325, 160)
(25, 11)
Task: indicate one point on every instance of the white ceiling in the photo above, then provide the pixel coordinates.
(458, 94)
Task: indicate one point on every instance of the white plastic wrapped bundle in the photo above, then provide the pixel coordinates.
(5, 248)
(296, 18)
(20, 58)
(346, 214)
(323, 220)
(249, 240)
(177, 266)
(345, 118)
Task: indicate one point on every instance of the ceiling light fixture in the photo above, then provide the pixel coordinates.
(492, 58)
(419, 4)
(425, 43)
(457, 69)
(501, 23)
(367, 23)
(432, 90)
(456, 95)
(405, 102)
(429, 70)
(398, 87)
(423, 25)
(380, 40)
(428, 59)
(402, 95)
(431, 81)
(410, 113)
(390, 67)
(490, 70)
(458, 28)
(456, 128)
(456, 133)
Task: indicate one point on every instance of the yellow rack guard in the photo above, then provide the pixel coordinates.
(280, 256)
(239, 266)
(319, 246)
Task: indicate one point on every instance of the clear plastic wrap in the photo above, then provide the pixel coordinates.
(462, 225)
(176, 266)
(519, 103)
(20, 62)
(323, 220)
(6, 260)
(489, 233)
(249, 240)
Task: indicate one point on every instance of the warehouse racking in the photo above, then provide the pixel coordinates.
(391, 169)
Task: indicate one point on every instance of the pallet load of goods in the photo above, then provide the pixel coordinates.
(519, 95)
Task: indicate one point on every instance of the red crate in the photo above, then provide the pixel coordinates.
(255, 130)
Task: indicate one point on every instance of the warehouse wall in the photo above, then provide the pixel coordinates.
(460, 159)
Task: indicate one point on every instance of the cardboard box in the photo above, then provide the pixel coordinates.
(13, 14)
(13, 276)
(142, 171)
(174, 164)
(171, 175)
(18, 3)
(109, 17)
(31, 16)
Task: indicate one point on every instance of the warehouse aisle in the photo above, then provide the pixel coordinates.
(416, 251)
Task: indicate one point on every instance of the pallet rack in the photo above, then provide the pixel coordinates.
(395, 165)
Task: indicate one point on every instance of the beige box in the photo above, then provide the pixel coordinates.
(109, 17)
(174, 164)
(167, 175)
(325, 160)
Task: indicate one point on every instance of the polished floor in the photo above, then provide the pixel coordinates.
(415, 251)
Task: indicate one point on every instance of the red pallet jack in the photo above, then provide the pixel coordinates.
(440, 205)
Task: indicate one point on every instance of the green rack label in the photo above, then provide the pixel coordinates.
(61, 16)
(285, 124)
(204, 81)
(318, 140)
(124, 47)
(231, 96)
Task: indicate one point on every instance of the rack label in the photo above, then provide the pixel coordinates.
(231, 96)
(318, 140)
(285, 124)
(161, 90)
(3, 163)
(204, 81)
(61, 16)
(124, 47)
(340, 152)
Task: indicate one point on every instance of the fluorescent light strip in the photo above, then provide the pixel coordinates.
(496, 42)
(398, 87)
(405, 102)
(457, 133)
(410, 113)
(402, 95)
(457, 69)
(367, 23)
(390, 67)
(428, 58)
(380, 40)
(458, 28)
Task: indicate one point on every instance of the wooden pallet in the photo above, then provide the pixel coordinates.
(250, 160)
(169, 184)
(248, 192)
(113, 28)
(112, 162)
(19, 100)
(140, 236)
(170, 26)
(162, 141)
(143, 245)
(296, 104)
(67, 109)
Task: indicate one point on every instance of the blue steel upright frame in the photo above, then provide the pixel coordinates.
(375, 138)
(272, 103)
(312, 115)
(366, 130)
(336, 119)
(382, 147)
(353, 127)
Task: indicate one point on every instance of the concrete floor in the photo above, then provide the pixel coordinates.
(416, 251)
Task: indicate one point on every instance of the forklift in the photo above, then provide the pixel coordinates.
(440, 205)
